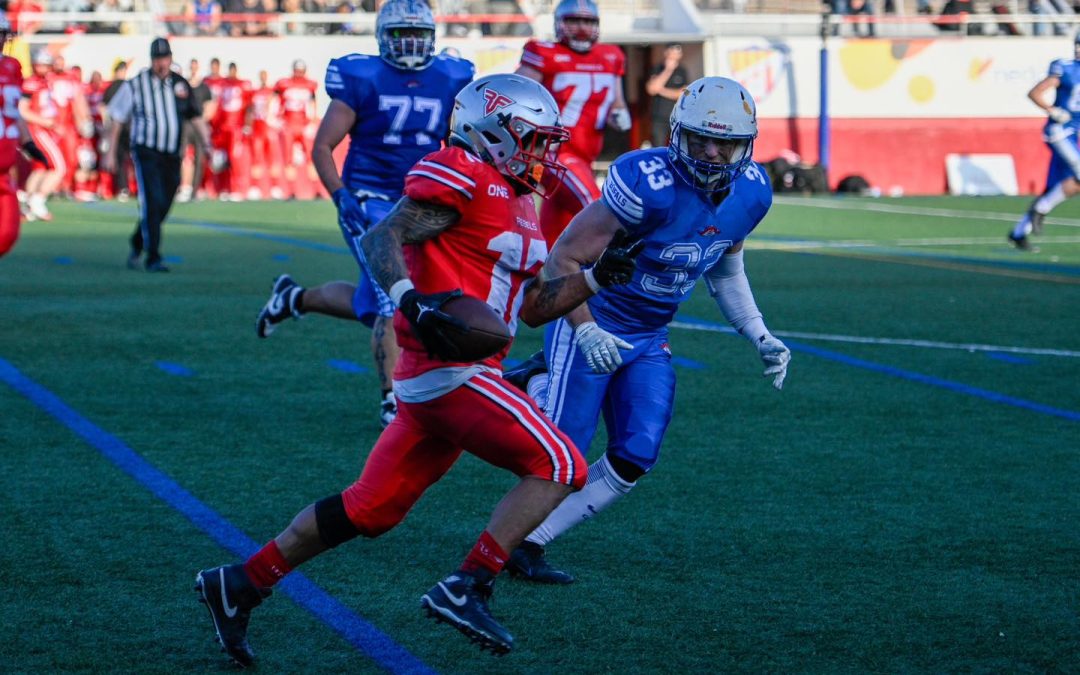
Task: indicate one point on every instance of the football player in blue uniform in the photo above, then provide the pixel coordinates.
(395, 108)
(1060, 133)
(693, 204)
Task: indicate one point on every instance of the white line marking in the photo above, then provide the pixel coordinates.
(809, 244)
(855, 339)
(915, 210)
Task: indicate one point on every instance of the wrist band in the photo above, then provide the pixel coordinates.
(590, 281)
(399, 289)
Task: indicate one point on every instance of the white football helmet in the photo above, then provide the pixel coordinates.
(512, 123)
(580, 38)
(714, 108)
(405, 30)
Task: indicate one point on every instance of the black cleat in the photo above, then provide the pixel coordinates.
(520, 375)
(528, 562)
(157, 266)
(280, 306)
(1022, 243)
(230, 596)
(133, 260)
(1036, 219)
(461, 601)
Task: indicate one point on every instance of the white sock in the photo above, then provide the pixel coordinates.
(1022, 228)
(1052, 198)
(537, 388)
(600, 492)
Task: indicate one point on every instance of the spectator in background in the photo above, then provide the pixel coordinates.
(202, 17)
(861, 8)
(192, 152)
(118, 177)
(345, 9)
(254, 26)
(665, 83)
(19, 25)
(106, 26)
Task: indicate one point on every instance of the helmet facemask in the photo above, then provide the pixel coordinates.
(408, 47)
(693, 163)
(578, 32)
(535, 165)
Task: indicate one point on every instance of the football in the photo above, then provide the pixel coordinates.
(487, 333)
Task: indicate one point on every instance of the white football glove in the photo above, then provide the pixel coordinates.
(620, 119)
(1060, 115)
(775, 355)
(601, 348)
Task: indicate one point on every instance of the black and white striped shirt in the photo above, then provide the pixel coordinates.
(156, 109)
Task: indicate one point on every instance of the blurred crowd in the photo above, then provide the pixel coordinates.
(261, 135)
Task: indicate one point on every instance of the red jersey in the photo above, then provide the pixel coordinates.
(233, 104)
(296, 94)
(262, 100)
(584, 87)
(11, 81)
(489, 253)
(64, 87)
(36, 88)
(95, 101)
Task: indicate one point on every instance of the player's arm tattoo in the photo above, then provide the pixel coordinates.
(548, 299)
(409, 222)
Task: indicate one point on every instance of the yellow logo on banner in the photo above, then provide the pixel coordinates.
(869, 64)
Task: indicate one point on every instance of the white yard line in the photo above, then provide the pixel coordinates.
(861, 205)
(855, 339)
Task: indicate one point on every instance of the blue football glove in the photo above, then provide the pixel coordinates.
(351, 214)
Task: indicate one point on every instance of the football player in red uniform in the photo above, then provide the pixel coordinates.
(265, 141)
(230, 120)
(40, 112)
(467, 223)
(13, 132)
(297, 105)
(585, 77)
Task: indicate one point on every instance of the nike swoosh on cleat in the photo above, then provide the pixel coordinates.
(230, 611)
(275, 304)
(457, 600)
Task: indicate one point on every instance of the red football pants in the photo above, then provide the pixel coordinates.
(485, 416)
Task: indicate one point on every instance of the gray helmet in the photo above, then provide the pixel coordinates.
(580, 39)
(512, 123)
(717, 108)
(405, 30)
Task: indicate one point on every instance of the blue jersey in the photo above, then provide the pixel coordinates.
(1067, 95)
(401, 115)
(685, 235)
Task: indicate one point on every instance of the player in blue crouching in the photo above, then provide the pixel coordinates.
(395, 108)
(1060, 134)
(693, 204)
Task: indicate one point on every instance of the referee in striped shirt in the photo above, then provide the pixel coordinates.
(156, 102)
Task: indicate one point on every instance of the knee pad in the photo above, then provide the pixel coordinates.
(334, 525)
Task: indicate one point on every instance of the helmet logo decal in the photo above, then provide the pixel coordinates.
(495, 100)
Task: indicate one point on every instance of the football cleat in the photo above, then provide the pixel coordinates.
(520, 374)
(528, 562)
(280, 306)
(133, 260)
(387, 409)
(1022, 243)
(230, 596)
(461, 601)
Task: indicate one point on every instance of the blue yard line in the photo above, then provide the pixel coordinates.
(957, 387)
(346, 366)
(688, 363)
(358, 632)
(63, 260)
(174, 368)
(1010, 358)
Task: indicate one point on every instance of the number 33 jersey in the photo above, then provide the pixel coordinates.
(685, 235)
(401, 115)
(584, 87)
(489, 253)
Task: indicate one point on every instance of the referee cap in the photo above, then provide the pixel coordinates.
(160, 47)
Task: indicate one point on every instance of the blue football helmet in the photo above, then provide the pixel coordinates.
(713, 109)
(582, 36)
(405, 30)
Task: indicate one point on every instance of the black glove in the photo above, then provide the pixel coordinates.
(616, 264)
(430, 323)
(34, 152)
